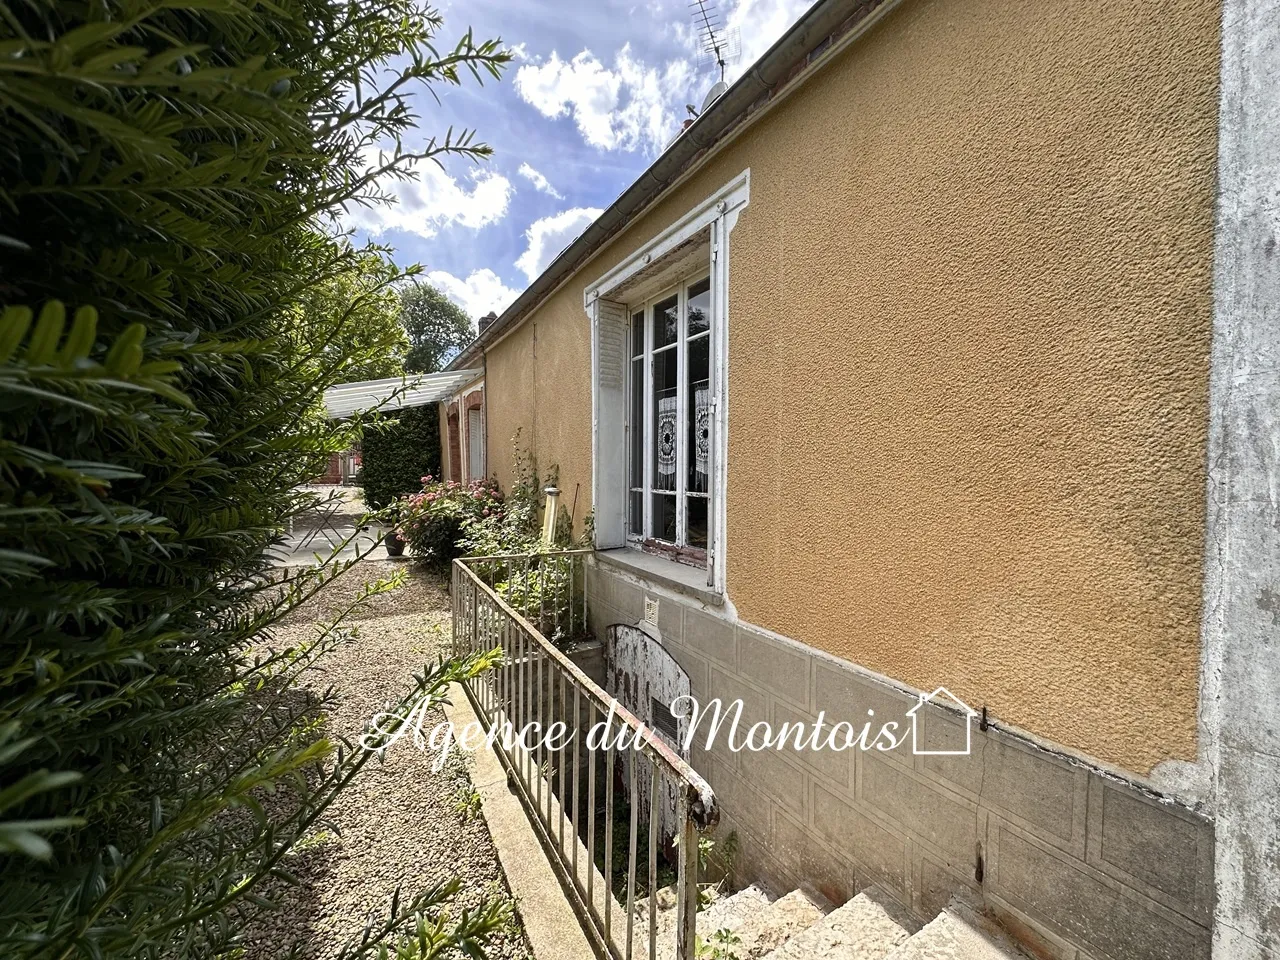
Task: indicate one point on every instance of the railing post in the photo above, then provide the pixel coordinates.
(608, 842)
(475, 616)
(654, 830)
(687, 894)
(631, 856)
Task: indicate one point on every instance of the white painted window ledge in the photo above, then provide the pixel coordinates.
(662, 571)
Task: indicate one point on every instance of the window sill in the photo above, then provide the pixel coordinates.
(675, 576)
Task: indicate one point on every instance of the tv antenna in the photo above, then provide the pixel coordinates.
(716, 45)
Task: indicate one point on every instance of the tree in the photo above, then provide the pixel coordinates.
(356, 316)
(169, 170)
(436, 326)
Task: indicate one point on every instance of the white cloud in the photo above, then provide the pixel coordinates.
(548, 236)
(760, 23)
(629, 107)
(435, 200)
(539, 181)
(482, 291)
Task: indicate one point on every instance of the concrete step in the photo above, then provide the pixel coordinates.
(763, 931)
(753, 923)
(868, 927)
(728, 913)
(958, 933)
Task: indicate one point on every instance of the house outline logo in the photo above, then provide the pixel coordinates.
(969, 714)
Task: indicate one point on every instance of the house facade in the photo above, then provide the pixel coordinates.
(462, 433)
(943, 350)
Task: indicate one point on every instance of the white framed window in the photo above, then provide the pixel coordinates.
(669, 469)
(659, 361)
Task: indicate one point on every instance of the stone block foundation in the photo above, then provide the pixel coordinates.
(1078, 863)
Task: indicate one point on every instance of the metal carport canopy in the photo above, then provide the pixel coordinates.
(395, 393)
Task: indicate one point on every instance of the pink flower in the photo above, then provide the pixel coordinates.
(486, 511)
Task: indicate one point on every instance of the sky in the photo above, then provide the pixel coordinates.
(597, 89)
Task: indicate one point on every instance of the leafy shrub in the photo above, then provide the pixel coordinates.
(167, 169)
(517, 528)
(543, 586)
(397, 453)
(432, 521)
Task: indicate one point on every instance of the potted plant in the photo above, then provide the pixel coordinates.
(393, 541)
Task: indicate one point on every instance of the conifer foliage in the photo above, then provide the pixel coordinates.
(170, 171)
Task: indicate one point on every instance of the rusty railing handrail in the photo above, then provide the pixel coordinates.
(705, 812)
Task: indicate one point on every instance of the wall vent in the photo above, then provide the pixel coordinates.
(664, 721)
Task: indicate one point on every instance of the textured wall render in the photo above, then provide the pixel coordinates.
(968, 338)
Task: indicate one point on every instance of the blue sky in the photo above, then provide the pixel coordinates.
(595, 92)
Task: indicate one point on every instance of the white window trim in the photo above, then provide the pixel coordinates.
(609, 348)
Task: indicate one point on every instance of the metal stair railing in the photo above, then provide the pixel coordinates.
(526, 605)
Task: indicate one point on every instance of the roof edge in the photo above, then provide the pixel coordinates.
(773, 70)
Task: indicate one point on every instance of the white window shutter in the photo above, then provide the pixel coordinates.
(611, 433)
(613, 344)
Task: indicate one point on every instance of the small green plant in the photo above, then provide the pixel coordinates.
(434, 935)
(540, 585)
(495, 891)
(719, 946)
(728, 855)
(467, 802)
(709, 892)
(313, 841)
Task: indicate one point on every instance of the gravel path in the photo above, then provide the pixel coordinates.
(400, 822)
(423, 592)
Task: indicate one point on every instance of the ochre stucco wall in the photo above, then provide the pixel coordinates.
(539, 382)
(968, 342)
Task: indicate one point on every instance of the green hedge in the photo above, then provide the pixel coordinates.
(397, 453)
(167, 171)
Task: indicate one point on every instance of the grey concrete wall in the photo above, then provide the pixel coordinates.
(1240, 677)
(1077, 863)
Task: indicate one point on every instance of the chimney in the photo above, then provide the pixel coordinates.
(484, 321)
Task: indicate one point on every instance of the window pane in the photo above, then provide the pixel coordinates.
(635, 424)
(665, 431)
(699, 307)
(637, 334)
(637, 514)
(696, 522)
(664, 517)
(698, 437)
(665, 319)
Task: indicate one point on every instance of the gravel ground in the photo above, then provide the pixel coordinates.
(424, 591)
(401, 823)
